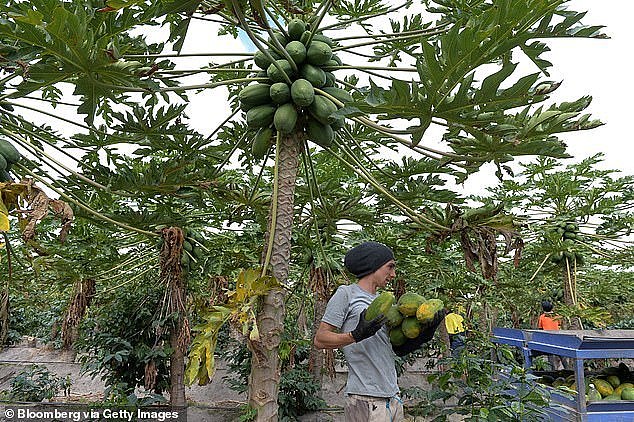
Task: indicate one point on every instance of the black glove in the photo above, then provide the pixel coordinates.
(426, 334)
(365, 328)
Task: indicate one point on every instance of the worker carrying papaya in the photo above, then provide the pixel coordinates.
(372, 390)
(454, 323)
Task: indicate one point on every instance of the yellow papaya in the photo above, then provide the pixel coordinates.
(409, 302)
(426, 311)
(618, 390)
(603, 387)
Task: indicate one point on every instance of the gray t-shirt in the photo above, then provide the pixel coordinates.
(371, 370)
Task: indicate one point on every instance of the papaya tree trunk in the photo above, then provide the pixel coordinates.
(570, 292)
(83, 294)
(173, 278)
(265, 363)
(319, 285)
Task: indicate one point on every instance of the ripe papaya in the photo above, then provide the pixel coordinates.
(260, 116)
(411, 327)
(255, 95)
(321, 134)
(275, 74)
(603, 387)
(280, 93)
(379, 305)
(318, 53)
(302, 92)
(321, 108)
(297, 51)
(340, 94)
(426, 311)
(261, 142)
(409, 302)
(9, 152)
(397, 338)
(619, 390)
(296, 28)
(285, 118)
(313, 74)
(393, 317)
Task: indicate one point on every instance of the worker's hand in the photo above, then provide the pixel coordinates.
(365, 328)
(426, 334)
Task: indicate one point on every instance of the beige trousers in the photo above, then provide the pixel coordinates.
(373, 409)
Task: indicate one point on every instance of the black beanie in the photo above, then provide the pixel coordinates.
(366, 258)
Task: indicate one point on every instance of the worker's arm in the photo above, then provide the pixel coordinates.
(327, 337)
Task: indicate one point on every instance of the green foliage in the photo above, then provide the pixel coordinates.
(122, 334)
(36, 384)
(299, 392)
(485, 389)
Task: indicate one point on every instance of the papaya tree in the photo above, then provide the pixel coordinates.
(576, 216)
(440, 66)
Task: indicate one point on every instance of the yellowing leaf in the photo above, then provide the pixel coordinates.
(4, 218)
(4, 222)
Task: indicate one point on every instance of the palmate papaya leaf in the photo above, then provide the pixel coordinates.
(403, 100)
(79, 47)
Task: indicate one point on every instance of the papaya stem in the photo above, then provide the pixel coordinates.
(540, 267)
(402, 38)
(274, 197)
(26, 144)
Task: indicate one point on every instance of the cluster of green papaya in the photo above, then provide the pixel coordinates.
(294, 66)
(408, 316)
(192, 249)
(569, 233)
(9, 155)
(613, 383)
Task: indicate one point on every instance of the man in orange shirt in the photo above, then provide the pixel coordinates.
(547, 321)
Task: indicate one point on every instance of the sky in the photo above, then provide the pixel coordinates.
(600, 68)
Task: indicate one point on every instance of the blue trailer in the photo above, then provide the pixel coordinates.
(579, 346)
